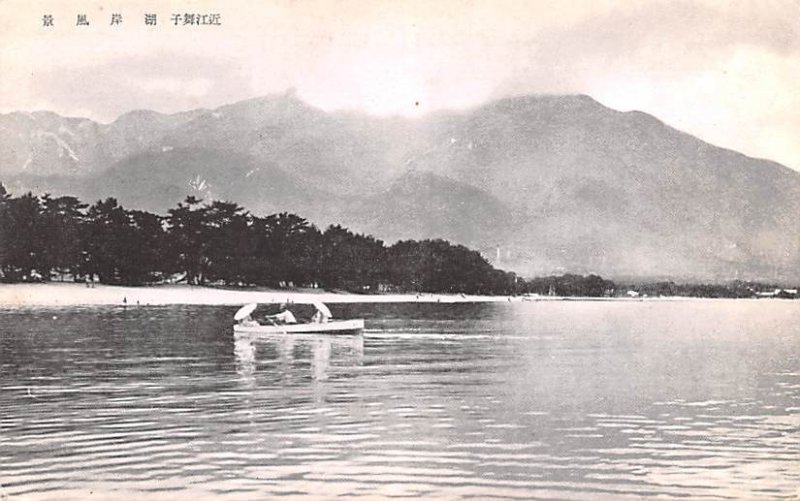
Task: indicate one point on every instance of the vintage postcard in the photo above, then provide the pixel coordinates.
(375, 249)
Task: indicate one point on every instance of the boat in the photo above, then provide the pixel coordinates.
(325, 325)
(332, 327)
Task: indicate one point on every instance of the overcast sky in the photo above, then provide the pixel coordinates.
(726, 71)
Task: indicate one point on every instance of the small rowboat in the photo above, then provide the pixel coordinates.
(332, 327)
(246, 325)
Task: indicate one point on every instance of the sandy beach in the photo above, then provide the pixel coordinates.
(71, 294)
(55, 294)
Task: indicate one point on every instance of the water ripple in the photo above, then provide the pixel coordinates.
(517, 401)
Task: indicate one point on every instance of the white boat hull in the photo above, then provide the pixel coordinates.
(333, 327)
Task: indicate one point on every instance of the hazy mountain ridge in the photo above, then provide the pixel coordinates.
(572, 161)
(556, 183)
(46, 144)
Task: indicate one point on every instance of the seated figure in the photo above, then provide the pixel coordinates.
(248, 321)
(320, 317)
(284, 317)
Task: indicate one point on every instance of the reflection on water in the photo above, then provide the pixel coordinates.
(557, 400)
(285, 349)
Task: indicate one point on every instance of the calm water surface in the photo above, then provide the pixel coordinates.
(553, 400)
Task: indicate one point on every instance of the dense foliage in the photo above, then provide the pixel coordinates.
(45, 238)
(571, 285)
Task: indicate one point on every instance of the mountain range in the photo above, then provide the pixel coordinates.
(540, 184)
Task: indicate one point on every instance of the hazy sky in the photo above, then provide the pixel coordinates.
(726, 71)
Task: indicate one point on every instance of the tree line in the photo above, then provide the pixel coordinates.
(46, 238)
(731, 290)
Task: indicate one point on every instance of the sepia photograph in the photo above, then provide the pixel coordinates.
(399, 249)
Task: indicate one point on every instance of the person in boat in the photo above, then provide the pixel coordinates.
(248, 321)
(320, 317)
(285, 316)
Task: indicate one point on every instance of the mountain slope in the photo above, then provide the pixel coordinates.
(46, 144)
(556, 183)
(158, 181)
(424, 205)
(622, 192)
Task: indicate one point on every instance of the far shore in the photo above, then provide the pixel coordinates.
(57, 294)
(77, 294)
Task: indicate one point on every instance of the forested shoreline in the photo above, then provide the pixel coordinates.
(45, 238)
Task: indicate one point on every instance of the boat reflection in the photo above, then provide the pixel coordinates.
(288, 357)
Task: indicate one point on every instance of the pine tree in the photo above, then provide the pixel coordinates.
(187, 247)
(24, 259)
(4, 196)
(63, 219)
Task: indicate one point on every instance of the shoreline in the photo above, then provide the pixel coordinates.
(77, 294)
(64, 294)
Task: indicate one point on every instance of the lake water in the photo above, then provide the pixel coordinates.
(554, 400)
